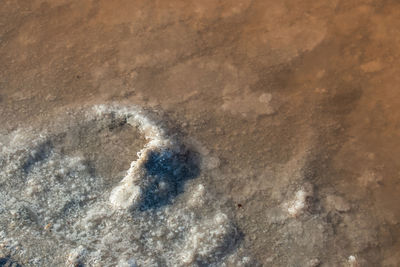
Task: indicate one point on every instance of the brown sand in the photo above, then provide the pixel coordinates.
(284, 93)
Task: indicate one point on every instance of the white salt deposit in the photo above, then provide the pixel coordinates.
(57, 209)
(298, 204)
(352, 261)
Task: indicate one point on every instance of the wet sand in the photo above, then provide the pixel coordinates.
(287, 97)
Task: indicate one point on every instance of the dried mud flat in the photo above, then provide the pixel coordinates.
(283, 118)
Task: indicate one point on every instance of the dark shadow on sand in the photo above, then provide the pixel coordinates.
(167, 172)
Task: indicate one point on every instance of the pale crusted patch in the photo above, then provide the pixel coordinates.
(372, 66)
(296, 206)
(369, 179)
(248, 103)
(337, 203)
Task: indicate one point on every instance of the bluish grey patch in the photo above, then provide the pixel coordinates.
(8, 262)
(42, 152)
(168, 171)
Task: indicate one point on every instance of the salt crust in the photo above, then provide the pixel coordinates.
(58, 213)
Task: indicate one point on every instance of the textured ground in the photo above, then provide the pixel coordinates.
(294, 101)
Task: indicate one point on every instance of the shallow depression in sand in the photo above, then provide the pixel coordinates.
(110, 186)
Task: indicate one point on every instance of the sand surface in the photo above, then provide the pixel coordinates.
(291, 107)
